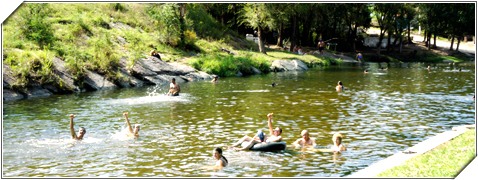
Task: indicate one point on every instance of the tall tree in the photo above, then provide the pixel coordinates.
(356, 15)
(257, 16)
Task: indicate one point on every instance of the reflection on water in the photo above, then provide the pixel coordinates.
(379, 113)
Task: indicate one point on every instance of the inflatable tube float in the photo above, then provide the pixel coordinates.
(271, 146)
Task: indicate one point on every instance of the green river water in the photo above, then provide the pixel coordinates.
(379, 113)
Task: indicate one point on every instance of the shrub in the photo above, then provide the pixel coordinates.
(35, 25)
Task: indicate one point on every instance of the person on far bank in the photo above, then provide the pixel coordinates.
(321, 46)
(339, 87)
(338, 146)
(174, 88)
(305, 141)
(359, 57)
(155, 54)
(132, 131)
(81, 132)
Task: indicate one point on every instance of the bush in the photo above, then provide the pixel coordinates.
(31, 67)
(35, 25)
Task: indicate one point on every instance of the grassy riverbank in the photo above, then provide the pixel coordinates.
(96, 36)
(445, 161)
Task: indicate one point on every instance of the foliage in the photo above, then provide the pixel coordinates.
(228, 65)
(34, 24)
(30, 66)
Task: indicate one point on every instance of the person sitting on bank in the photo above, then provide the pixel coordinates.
(305, 141)
(81, 132)
(174, 88)
(321, 46)
(132, 131)
(155, 54)
(339, 87)
(338, 146)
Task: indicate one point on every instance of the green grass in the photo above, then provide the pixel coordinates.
(445, 161)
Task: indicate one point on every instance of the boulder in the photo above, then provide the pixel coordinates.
(35, 91)
(9, 95)
(95, 81)
(60, 69)
(288, 65)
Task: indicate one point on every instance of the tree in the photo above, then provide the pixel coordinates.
(258, 17)
(356, 15)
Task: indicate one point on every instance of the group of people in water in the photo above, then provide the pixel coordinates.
(275, 135)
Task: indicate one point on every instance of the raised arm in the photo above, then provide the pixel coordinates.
(269, 123)
(125, 114)
(72, 129)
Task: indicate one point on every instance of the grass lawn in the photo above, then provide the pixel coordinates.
(445, 161)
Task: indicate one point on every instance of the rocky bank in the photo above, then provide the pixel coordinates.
(147, 71)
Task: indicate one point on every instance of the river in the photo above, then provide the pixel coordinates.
(379, 114)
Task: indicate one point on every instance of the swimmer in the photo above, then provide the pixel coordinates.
(214, 79)
(174, 88)
(81, 132)
(339, 87)
(365, 71)
(338, 146)
(132, 131)
(305, 141)
(221, 161)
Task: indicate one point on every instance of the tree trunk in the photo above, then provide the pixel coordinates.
(379, 44)
(388, 40)
(409, 38)
(293, 37)
(434, 41)
(429, 37)
(425, 37)
(182, 25)
(452, 41)
(279, 38)
(354, 38)
(458, 43)
(401, 40)
(262, 48)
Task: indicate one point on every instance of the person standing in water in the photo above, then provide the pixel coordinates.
(221, 161)
(214, 79)
(174, 88)
(305, 141)
(338, 146)
(81, 132)
(132, 131)
(339, 87)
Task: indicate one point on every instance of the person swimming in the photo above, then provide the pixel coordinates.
(81, 132)
(174, 88)
(305, 141)
(339, 87)
(132, 131)
(338, 146)
(221, 161)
